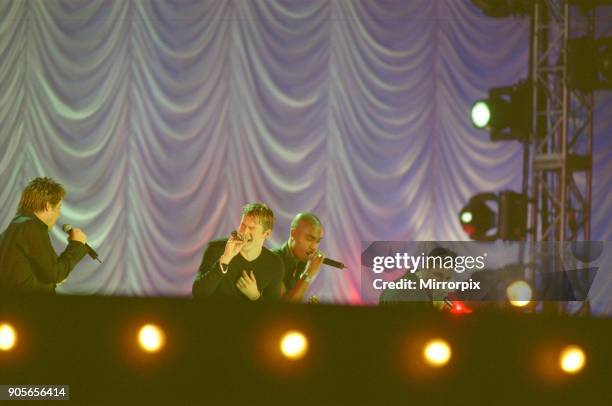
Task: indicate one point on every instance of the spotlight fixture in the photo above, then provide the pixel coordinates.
(590, 63)
(519, 293)
(477, 218)
(506, 113)
(510, 222)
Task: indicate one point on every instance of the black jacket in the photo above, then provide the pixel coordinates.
(28, 262)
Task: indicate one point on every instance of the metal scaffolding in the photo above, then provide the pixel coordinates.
(560, 148)
(560, 164)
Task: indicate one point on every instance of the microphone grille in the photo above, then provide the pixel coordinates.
(67, 228)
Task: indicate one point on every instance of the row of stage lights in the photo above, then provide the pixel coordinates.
(507, 113)
(293, 345)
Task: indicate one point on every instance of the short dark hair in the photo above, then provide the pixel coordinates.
(260, 212)
(38, 193)
(306, 216)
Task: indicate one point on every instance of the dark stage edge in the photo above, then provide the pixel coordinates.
(226, 353)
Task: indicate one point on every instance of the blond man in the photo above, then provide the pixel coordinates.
(240, 267)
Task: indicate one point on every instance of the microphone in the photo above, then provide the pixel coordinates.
(239, 237)
(90, 251)
(449, 303)
(335, 264)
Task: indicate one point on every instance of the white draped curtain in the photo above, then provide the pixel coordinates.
(163, 118)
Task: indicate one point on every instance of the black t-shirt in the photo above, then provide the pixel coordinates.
(211, 282)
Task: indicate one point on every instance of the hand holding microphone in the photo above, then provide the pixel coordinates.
(76, 234)
(232, 247)
(313, 266)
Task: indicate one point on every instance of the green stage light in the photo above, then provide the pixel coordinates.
(481, 114)
(506, 113)
(466, 217)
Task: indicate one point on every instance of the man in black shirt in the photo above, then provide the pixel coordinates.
(241, 267)
(28, 262)
(301, 258)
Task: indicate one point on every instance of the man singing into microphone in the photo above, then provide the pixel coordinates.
(28, 262)
(301, 258)
(241, 267)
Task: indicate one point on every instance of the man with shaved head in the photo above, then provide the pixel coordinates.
(300, 255)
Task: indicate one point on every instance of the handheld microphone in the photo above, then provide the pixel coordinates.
(335, 264)
(90, 251)
(449, 303)
(239, 237)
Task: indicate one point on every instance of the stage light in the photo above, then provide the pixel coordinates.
(151, 338)
(506, 113)
(590, 63)
(466, 217)
(572, 359)
(519, 293)
(510, 221)
(481, 114)
(294, 345)
(477, 218)
(437, 352)
(8, 337)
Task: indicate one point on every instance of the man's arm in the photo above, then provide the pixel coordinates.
(46, 264)
(210, 273)
(296, 294)
(299, 290)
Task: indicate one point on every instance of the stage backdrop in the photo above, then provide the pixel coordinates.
(163, 118)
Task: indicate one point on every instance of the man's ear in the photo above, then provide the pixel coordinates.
(293, 233)
(267, 233)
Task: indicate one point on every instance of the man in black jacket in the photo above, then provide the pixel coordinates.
(28, 262)
(241, 267)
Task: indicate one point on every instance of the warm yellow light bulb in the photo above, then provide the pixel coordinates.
(294, 345)
(151, 338)
(8, 337)
(437, 352)
(572, 359)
